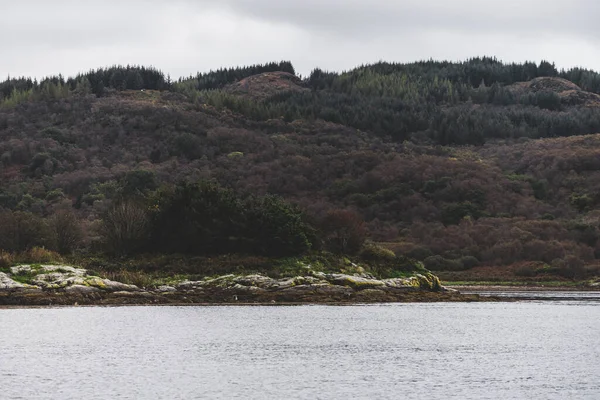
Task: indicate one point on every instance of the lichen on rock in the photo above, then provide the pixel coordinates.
(59, 277)
(7, 283)
(355, 282)
(69, 285)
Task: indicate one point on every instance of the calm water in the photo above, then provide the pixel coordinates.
(587, 296)
(527, 350)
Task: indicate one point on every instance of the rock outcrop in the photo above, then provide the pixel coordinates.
(56, 277)
(8, 284)
(267, 84)
(58, 284)
(569, 93)
(316, 287)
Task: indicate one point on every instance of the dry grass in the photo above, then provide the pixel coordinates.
(6, 259)
(39, 255)
(137, 278)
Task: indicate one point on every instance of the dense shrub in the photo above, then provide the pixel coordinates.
(125, 228)
(419, 253)
(374, 252)
(66, 231)
(138, 183)
(197, 219)
(20, 231)
(207, 219)
(527, 271)
(275, 227)
(570, 267)
(439, 263)
(469, 262)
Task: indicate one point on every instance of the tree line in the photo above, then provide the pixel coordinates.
(189, 218)
(14, 91)
(432, 102)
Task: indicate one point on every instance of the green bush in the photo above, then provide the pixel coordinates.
(125, 228)
(205, 219)
(20, 231)
(138, 182)
(66, 230)
(469, 262)
(581, 202)
(526, 271)
(439, 263)
(419, 253)
(570, 267)
(375, 252)
(275, 227)
(454, 213)
(197, 219)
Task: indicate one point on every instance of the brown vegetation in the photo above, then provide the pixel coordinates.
(370, 141)
(266, 84)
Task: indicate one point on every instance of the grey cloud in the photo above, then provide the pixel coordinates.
(184, 36)
(72, 24)
(368, 17)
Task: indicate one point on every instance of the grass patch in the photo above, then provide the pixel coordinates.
(24, 277)
(38, 255)
(137, 278)
(156, 270)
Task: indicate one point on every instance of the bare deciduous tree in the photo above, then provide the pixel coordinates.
(125, 227)
(66, 230)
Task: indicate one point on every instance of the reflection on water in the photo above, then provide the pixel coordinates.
(585, 296)
(522, 350)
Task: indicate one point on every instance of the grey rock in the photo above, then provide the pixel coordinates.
(55, 277)
(166, 289)
(371, 295)
(355, 282)
(79, 289)
(320, 288)
(241, 289)
(402, 282)
(449, 290)
(132, 294)
(48, 269)
(7, 283)
(188, 285)
(220, 282)
(113, 286)
(255, 280)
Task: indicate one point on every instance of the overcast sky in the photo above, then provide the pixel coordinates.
(182, 37)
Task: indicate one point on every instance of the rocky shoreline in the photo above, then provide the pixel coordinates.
(55, 285)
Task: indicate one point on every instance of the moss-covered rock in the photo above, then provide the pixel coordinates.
(70, 285)
(62, 277)
(9, 284)
(429, 282)
(355, 282)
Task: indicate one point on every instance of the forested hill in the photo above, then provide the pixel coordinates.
(457, 164)
(434, 102)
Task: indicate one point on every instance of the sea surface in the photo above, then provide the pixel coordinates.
(515, 350)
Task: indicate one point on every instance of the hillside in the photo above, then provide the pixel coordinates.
(458, 165)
